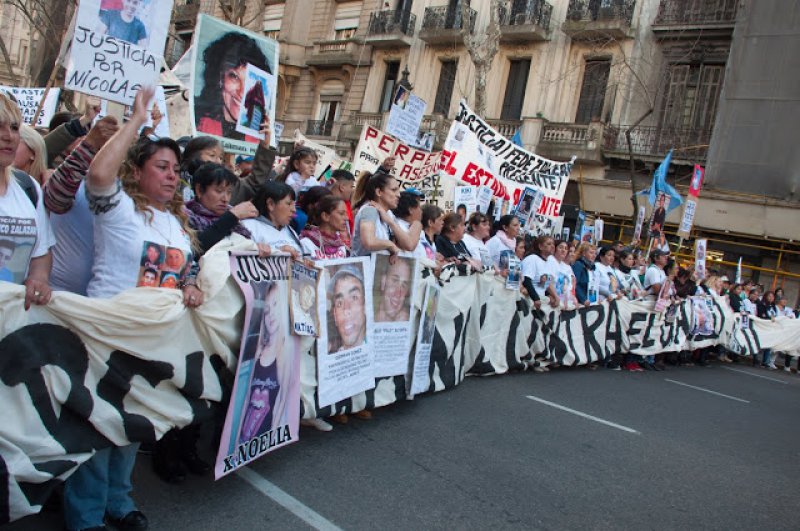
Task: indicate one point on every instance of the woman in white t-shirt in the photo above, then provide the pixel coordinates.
(275, 202)
(142, 238)
(565, 279)
(478, 229)
(376, 228)
(607, 283)
(505, 239)
(539, 273)
(25, 234)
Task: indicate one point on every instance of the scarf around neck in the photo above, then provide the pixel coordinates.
(330, 244)
(202, 218)
(511, 243)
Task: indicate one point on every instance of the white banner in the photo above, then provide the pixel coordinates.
(405, 116)
(28, 100)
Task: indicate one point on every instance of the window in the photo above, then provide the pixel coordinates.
(330, 102)
(444, 92)
(593, 91)
(515, 89)
(273, 16)
(389, 84)
(345, 24)
(692, 97)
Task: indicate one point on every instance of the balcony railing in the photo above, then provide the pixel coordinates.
(334, 53)
(391, 21)
(447, 18)
(526, 12)
(696, 12)
(319, 127)
(507, 128)
(597, 11)
(653, 141)
(566, 133)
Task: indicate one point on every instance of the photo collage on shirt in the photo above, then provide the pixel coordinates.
(17, 240)
(162, 266)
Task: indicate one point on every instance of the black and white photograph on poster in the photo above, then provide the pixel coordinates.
(303, 283)
(514, 277)
(17, 241)
(259, 97)
(344, 357)
(419, 378)
(264, 408)
(702, 317)
(222, 53)
(700, 247)
(394, 289)
(598, 231)
(637, 231)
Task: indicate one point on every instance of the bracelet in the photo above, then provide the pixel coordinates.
(189, 281)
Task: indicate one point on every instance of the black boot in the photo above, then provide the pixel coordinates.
(167, 463)
(188, 437)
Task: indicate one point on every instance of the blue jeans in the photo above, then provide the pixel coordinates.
(766, 356)
(100, 485)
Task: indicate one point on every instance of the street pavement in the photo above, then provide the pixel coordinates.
(688, 448)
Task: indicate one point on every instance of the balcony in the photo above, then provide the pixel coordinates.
(562, 141)
(391, 29)
(352, 129)
(525, 21)
(589, 20)
(442, 25)
(507, 128)
(337, 53)
(186, 16)
(651, 143)
(689, 19)
(320, 127)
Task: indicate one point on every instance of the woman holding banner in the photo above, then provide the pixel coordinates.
(376, 228)
(584, 269)
(276, 205)
(505, 239)
(141, 205)
(322, 236)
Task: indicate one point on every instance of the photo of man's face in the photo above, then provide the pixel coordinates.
(395, 286)
(175, 259)
(6, 252)
(149, 279)
(348, 311)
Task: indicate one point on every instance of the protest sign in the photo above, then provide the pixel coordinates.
(510, 264)
(344, 357)
(395, 285)
(114, 52)
(581, 220)
(689, 210)
(484, 198)
(326, 157)
(739, 271)
(475, 153)
(405, 116)
(418, 379)
(158, 117)
(264, 410)
(466, 197)
(702, 316)
(28, 101)
(598, 231)
(697, 181)
(659, 215)
(303, 283)
(260, 88)
(529, 201)
(700, 258)
(221, 54)
(413, 167)
(663, 296)
(637, 231)
(565, 234)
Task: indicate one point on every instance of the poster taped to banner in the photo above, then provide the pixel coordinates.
(395, 286)
(218, 89)
(264, 410)
(112, 58)
(304, 285)
(419, 380)
(344, 353)
(405, 116)
(28, 101)
(413, 167)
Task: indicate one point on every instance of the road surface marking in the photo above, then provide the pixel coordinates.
(285, 500)
(756, 375)
(707, 391)
(584, 415)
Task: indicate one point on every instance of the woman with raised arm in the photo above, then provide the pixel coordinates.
(135, 206)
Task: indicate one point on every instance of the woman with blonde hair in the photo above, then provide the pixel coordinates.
(31, 156)
(26, 256)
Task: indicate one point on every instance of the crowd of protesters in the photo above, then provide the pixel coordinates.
(114, 208)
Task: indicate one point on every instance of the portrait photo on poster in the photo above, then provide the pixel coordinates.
(303, 285)
(16, 250)
(346, 307)
(223, 53)
(429, 317)
(257, 102)
(393, 281)
(143, 23)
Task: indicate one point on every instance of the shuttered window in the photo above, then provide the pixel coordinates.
(593, 91)
(515, 89)
(444, 92)
(346, 20)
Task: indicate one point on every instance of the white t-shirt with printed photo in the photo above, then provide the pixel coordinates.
(264, 232)
(541, 272)
(25, 231)
(122, 237)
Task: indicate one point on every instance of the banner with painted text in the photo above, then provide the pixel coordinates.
(264, 410)
(28, 100)
(413, 167)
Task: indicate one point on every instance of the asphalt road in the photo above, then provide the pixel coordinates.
(485, 456)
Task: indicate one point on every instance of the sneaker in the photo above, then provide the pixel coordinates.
(772, 367)
(612, 366)
(363, 414)
(539, 369)
(317, 424)
(787, 369)
(633, 367)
